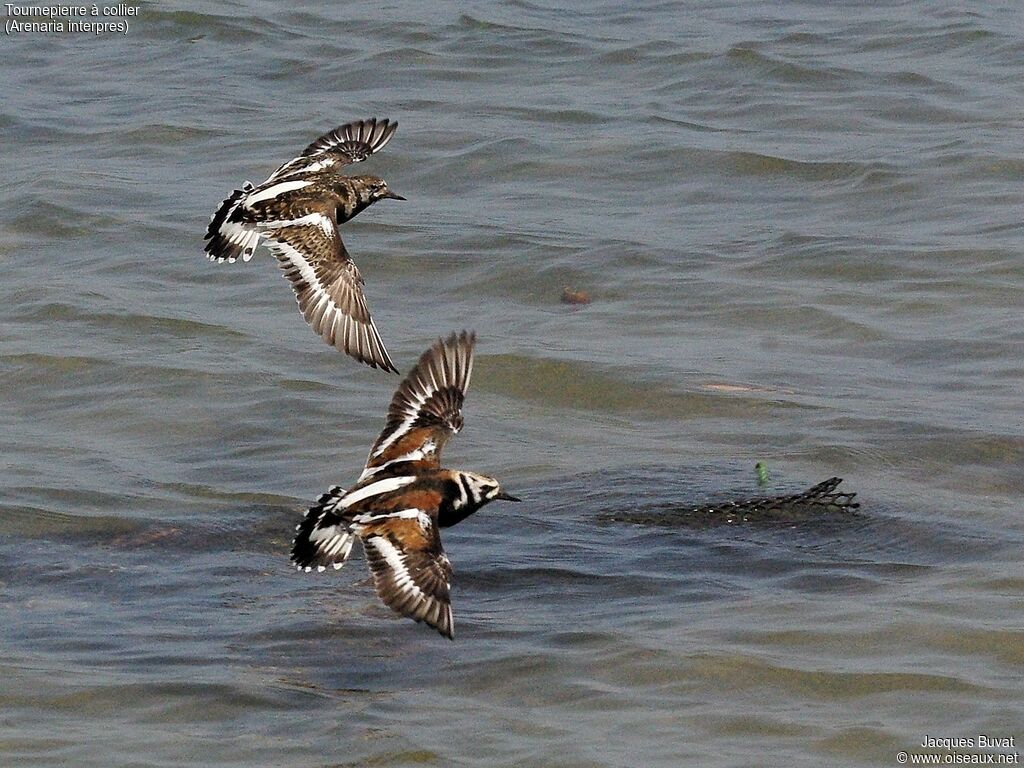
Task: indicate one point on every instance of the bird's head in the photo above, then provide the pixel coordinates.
(466, 493)
(371, 189)
(482, 489)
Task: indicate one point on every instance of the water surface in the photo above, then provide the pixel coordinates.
(800, 229)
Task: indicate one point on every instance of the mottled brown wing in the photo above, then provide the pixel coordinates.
(427, 407)
(411, 572)
(349, 143)
(328, 287)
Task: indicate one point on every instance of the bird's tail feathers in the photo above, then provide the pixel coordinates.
(324, 537)
(228, 237)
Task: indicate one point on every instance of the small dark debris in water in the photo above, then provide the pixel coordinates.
(574, 297)
(762, 473)
(821, 498)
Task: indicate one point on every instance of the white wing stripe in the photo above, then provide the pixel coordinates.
(411, 456)
(396, 561)
(324, 222)
(374, 489)
(405, 514)
(413, 412)
(295, 166)
(273, 191)
(298, 258)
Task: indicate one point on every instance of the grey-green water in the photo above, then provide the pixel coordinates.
(800, 228)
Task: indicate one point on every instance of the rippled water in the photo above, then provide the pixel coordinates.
(800, 229)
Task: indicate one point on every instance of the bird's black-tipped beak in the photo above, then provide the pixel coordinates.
(502, 496)
(392, 196)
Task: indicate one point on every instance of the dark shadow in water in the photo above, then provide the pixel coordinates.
(600, 555)
(821, 499)
(706, 504)
(713, 507)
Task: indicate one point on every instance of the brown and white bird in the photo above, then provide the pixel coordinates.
(296, 212)
(404, 497)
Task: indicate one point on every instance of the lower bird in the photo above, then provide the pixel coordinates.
(297, 212)
(403, 496)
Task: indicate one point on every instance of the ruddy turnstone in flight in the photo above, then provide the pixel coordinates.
(297, 212)
(404, 496)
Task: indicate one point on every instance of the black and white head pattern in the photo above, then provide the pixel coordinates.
(297, 219)
(397, 514)
(232, 234)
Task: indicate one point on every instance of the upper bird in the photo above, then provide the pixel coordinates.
(297, 212)
(404, 496)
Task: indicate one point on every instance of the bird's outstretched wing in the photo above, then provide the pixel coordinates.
(426, 409)
(349, 143)
(328, 287)
(411, 572)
